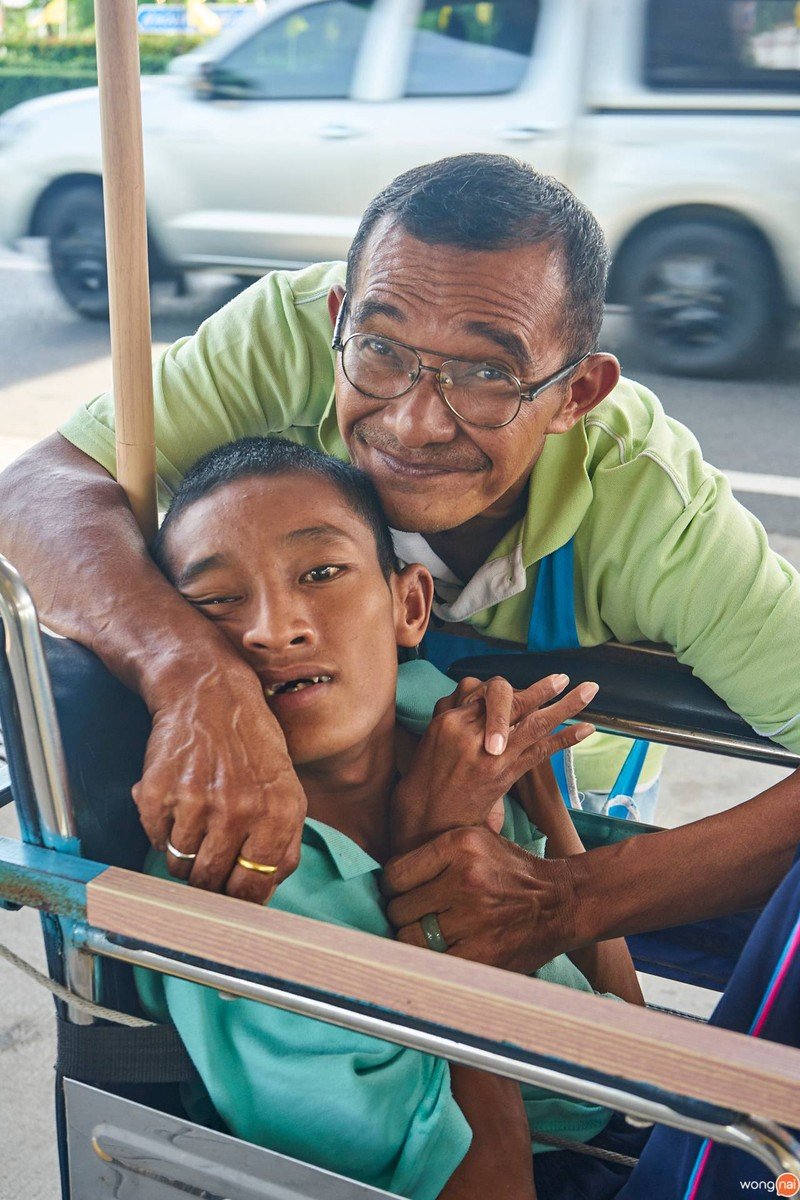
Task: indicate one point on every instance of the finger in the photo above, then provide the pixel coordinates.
(412, 935)
(420, 865)
(412, 906)
(465, 688)
(540, 723)
(248, 883)
(186, 837)
(156, 817)
(498, 697)
(495, 818)
(539, 693)
(545, 748)
(215, 858)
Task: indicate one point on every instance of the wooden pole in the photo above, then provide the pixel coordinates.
(126, 239)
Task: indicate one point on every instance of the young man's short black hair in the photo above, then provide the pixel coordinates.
(493, 202)
(270, 456)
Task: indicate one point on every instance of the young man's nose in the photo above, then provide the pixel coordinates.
(277, 624)
(421, 416)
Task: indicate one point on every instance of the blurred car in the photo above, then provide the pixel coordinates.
(675, 120)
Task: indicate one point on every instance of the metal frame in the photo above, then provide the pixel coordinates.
(766, 1140)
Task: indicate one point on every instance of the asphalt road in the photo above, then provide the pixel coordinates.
(51, 360)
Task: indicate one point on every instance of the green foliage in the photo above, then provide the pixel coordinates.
(36, 67)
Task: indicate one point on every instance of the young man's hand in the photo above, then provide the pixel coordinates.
(218, 783)
(454, 780)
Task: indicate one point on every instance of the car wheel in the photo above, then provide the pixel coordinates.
(76, 232)
(704, 299)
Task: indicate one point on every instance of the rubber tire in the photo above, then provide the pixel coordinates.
(80, 208)
(752, 333)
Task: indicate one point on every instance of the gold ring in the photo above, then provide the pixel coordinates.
(249, 865)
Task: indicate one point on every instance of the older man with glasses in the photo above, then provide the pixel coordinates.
(555, 504)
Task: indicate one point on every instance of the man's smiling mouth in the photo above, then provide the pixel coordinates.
(295, 685)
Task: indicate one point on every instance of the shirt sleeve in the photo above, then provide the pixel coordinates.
(351, 1104)
(672, 557)
(255, 367)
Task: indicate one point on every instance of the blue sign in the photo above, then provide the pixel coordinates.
(174, 18)
(162, 18)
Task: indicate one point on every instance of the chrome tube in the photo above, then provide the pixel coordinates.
(40, 730)
(712, 743)
(765, 1140)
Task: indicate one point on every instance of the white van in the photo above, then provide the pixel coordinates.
(675, 120)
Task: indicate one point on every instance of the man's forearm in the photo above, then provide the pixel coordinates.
(68, 529)
(722, 864)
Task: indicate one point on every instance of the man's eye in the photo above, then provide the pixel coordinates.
(374, 347)
(321, 574)
(486, 373)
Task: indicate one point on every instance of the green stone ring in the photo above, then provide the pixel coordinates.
(433, 933)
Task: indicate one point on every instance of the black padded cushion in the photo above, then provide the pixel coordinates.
(104, 728)
(634, 682)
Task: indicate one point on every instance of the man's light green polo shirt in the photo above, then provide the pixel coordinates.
(663, 552)
(347, 1102)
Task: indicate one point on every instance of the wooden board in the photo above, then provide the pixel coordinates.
(714, 1065)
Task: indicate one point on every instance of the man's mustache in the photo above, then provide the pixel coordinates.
(444, 458)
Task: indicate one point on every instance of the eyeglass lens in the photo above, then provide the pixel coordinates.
(479, 392)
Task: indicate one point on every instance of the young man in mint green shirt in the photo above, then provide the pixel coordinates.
(315, 605)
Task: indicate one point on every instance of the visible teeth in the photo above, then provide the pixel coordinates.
(296, 685)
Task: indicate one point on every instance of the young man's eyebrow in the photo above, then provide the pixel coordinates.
(198, 567)
(506, 340)
(375, 308)
(316, 532)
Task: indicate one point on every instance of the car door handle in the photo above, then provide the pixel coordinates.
(340, 131)
(520, 133)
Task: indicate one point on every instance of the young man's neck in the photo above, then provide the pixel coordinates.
(352, 791)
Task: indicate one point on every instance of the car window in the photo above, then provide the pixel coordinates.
(308, 54)
(471, 49)
(730, 45)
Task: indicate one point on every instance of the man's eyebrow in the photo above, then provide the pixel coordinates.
(506, 340)
(198, 567)
(323, 530)
(375, 308)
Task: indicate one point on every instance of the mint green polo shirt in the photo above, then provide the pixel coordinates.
(663, 552)
(350, 1103)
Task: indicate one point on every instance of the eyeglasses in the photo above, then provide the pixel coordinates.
(478, 393)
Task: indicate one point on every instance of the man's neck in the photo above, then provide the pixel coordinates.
(351, 792)
(467, 547)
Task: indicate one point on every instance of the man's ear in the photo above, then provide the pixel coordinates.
(335, 297)
(413, 596)
(596, 377)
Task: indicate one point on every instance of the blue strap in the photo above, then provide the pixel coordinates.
(628, 778)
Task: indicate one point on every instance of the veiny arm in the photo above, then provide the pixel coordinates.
(217, 778)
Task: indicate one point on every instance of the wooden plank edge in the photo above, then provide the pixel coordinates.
(689, 1059)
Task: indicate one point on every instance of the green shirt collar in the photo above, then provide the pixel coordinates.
(348, 857)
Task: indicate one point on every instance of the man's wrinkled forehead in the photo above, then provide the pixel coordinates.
(512, 298)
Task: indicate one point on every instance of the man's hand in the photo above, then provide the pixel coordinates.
(218, 783)
(495, 903)
(453, 781)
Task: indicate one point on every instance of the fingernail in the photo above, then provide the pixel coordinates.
(588, 690)
(583, 732)
(497, 744)
(560, 682)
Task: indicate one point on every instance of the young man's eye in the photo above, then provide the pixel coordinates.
(213, 601)
(321, 574)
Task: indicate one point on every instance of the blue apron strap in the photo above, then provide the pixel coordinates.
(628, 778)
(552, 624)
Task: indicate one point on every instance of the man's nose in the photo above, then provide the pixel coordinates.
(277, 624)
(421, 416)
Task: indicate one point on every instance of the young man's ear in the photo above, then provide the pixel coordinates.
(413, 596)
(596, 377)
